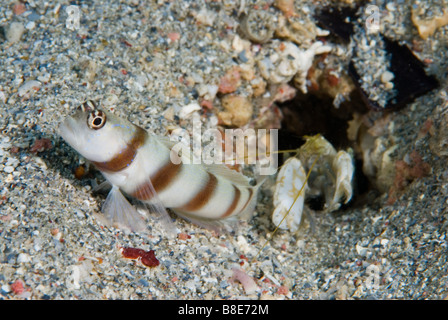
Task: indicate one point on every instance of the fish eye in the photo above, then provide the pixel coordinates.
(96, 119)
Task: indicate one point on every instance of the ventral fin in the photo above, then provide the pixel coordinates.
(104, 186)
(119, 212)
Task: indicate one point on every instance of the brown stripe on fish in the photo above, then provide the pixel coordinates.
(203, 196)
(164, 176)
(236, 199)
(125, 157)
(160, 181)
(144, 192)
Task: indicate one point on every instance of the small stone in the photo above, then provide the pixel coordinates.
(361, 250)
(6, 288)
(169, 114)
(389, 85)
(23, 258)
(206, 17)
(212, 91)
(149, 259)
(240, 45)
(18, 8)
(28, 87)
(80, 172)
(143, 282)
(249, 284)
(30, 25)
(287, 7)
(208, 91)
(230, 81)
(242, 56)
(37, 246)
(8, 169)
(247, 71)
(207, 104)
(17, 287)
(427, 27)
(188, 110)
(258, 86)
(41, 145)
(283, 290)
(44, 78)
(15, 32)
(33, 16)
(238, 110)
(3, 97)
(173, 36)
(183, 236)
(110, 100)
(386, 76)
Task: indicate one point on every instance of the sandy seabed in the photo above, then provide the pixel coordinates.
(146, 60)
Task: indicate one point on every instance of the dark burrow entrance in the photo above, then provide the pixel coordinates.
(314, 113)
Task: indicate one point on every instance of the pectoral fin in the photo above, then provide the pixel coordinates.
(148, 195)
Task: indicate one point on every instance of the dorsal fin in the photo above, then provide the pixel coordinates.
(166, 141)
(217, 169)
(227, 173)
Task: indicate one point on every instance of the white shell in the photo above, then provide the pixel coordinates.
(343, 166)
(188, 110)
(290, 181)
(28, 87)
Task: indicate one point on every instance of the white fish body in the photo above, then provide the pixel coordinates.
(139, 164)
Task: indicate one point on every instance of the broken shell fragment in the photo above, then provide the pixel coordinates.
(29, 87)
(281, 65)
(427, 27)
(257, 26)
(287, 7)
(300, 31)
(188, 110)
(344, 169)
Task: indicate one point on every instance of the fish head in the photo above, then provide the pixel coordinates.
(96, 134)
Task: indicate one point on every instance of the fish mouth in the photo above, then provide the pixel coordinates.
(67, 131)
